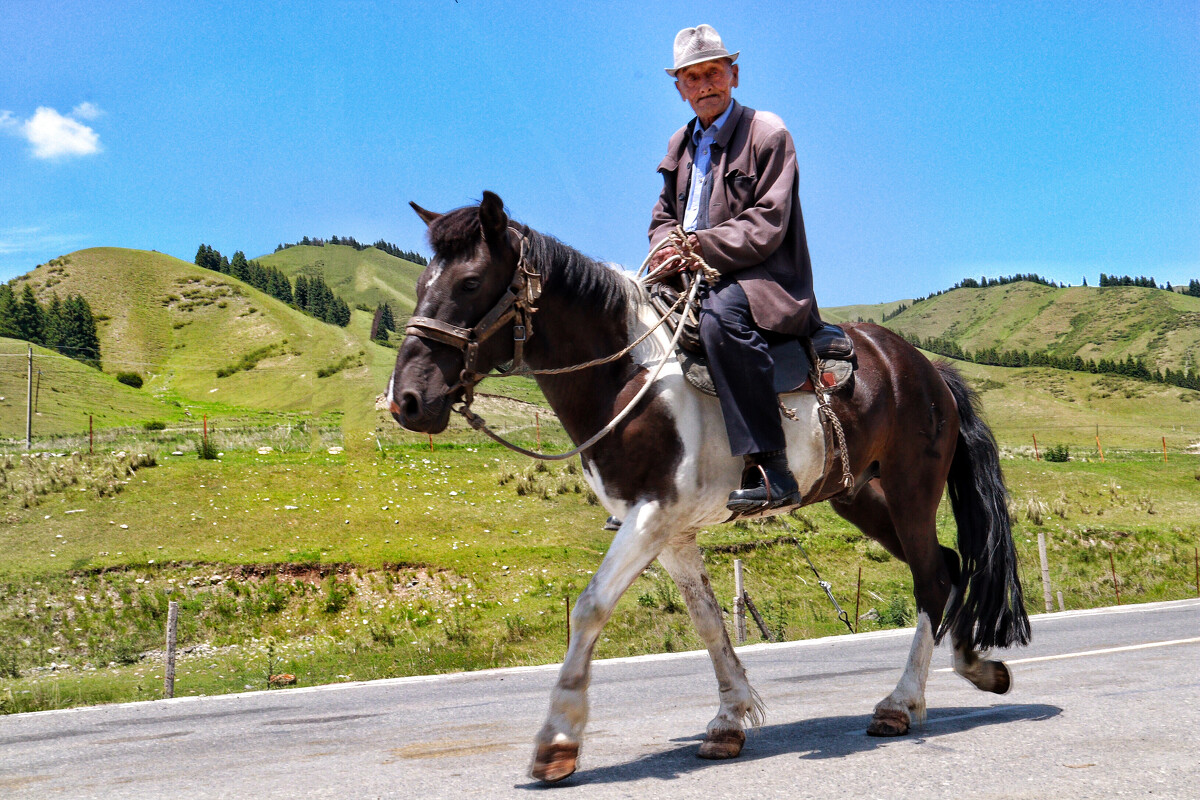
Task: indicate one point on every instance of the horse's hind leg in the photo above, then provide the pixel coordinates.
(985, 674)
(913, 540)
(725, 734)
(636, 544)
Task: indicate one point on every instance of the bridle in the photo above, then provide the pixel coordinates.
(516, 304)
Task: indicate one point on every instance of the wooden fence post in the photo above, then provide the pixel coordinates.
(172, 626)
(91, 436)
(1061, 607)
(1113, 566)
(1045, 572)
(1164, 449)
(739, 603)
(537, 422)
(1100, 448)
(1036, 456)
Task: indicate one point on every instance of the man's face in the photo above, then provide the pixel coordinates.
(708, 87)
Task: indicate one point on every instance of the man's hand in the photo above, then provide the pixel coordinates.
(666, 252)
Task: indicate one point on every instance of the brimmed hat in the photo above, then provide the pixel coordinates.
(701, 43)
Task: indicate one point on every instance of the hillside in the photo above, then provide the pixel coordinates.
(1093, 323)
(367, 276)
(67, 393)
(179, 326)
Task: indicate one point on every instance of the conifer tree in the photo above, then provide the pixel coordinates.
(8, 313)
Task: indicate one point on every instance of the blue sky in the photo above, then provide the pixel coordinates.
(935, 140)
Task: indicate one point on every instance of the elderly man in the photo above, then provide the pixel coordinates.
(730, 179)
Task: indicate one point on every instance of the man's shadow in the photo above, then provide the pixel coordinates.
(820, 738)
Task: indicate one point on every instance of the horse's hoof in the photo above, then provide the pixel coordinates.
(553, 762)
(1001, 678)
(722, 744)
(888, 722)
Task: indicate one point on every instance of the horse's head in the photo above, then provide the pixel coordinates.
(475, 259)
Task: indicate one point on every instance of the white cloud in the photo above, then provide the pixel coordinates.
(32, 239)
(54, 136)
(87, 110)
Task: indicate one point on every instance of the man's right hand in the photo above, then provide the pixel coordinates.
(660, 257)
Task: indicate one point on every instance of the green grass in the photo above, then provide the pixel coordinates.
(405, 561)
(367, 276)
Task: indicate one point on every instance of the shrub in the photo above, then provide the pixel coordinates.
(130, 379)
(897, 613)
(206, 450)
(155, 425)
(1058, 453)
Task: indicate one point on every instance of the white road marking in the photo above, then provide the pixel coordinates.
(1106, 650)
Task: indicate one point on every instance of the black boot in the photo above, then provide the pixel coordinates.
(766, 483)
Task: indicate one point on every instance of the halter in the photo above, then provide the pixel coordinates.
(517, 304)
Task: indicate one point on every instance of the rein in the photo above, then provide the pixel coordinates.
(518, 304)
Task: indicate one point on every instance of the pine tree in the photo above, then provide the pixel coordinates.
(30, 317)
(8, 313)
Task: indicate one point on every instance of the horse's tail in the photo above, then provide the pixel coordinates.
(986, 608)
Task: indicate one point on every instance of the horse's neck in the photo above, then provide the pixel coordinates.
(567, 335)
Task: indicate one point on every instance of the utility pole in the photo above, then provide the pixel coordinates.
(29, 404)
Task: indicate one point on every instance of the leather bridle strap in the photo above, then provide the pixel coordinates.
(515, 304)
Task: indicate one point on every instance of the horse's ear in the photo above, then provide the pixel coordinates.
(493, 219)
(425, 214)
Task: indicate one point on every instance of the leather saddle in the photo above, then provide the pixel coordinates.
(794, 371)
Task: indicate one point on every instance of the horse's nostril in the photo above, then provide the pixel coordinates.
(411, 405)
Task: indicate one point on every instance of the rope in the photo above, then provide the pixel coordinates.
(477, 422)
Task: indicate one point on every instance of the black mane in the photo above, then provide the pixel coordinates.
(566, 273)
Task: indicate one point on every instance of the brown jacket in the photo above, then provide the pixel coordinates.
(756, 231)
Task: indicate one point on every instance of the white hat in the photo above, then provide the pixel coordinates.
(701, 43)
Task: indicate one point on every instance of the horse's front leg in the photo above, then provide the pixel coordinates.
(635, 545)
(726, 733)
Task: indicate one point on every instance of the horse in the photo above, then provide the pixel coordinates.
(912, 429)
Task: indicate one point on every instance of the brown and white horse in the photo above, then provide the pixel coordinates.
(666, 471)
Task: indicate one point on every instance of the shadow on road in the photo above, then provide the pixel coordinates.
(823, 737)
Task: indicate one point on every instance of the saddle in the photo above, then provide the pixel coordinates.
(793, 357)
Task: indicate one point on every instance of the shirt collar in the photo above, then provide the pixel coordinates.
(715, 128)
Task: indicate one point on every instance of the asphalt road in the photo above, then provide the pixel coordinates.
(1106, 703)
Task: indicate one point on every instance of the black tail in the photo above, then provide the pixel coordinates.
(986, 607)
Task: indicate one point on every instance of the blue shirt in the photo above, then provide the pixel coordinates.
(695, 217)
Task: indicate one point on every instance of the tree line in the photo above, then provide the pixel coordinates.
(1129, 368)
(67, 326)
(1193, 287)
(309, 294)
(350, 241)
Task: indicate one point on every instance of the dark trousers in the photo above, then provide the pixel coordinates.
(742, 371)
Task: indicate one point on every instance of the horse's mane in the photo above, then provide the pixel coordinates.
(566, 273)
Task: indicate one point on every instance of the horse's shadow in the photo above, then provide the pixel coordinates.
(823, 737)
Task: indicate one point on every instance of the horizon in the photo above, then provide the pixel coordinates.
(934, 145)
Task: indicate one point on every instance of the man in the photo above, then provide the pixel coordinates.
(730, 179)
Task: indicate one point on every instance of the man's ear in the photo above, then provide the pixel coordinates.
(679, 87)
(425, 214)
(733, 83)
(493, 220)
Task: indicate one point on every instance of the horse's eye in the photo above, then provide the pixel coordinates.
(470, 284)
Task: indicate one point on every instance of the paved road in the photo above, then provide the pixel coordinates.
(1106, 704)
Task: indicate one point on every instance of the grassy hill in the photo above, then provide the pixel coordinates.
(67, 393)
(367, 276)
(1093, 323)
(212, 342)
(864, 312)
